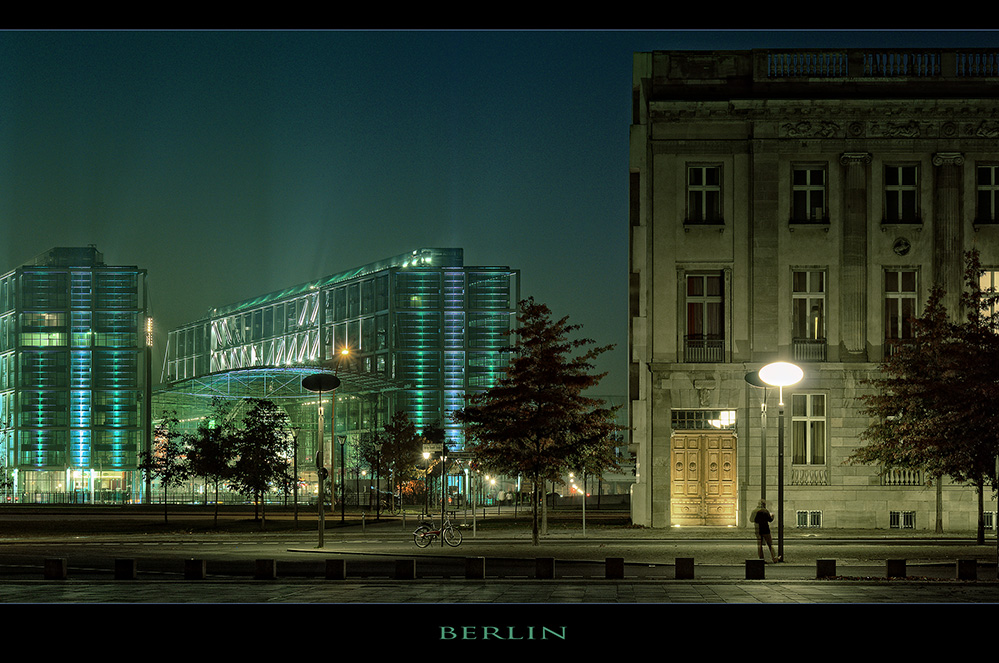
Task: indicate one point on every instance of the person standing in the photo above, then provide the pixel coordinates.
(761, 521)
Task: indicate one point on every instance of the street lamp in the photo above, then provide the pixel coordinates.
(426, 487)
(753, 378)
(781, 374)
(320, 382)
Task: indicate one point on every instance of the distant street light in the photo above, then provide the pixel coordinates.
(781, 374)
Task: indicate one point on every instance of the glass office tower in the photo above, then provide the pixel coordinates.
(423, 331)
(72, 377)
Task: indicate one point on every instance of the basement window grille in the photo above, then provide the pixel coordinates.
(902, 519)
(809, 519)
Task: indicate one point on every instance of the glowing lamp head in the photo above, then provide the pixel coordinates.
(781, 374)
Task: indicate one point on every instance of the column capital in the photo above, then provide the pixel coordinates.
(949, 158)
(854, 158)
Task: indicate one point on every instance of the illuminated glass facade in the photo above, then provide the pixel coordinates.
(72, 376)
(422, 325)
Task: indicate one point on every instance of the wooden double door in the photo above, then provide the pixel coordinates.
(703, 478)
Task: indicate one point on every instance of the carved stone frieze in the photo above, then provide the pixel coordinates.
(910, 129)
(807, 129)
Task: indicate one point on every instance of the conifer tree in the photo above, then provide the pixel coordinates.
(536, 421)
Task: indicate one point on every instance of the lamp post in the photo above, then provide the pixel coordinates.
(753, 378)
(320, 382)
(780, 374)
(343, 484)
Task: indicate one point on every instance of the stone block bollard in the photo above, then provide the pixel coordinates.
(195, 569)
(475, 568)
(825, 568)
(336, 569)
(684, 568)
(895, 568)
(755, 569)
(614, 568)
(124, 569)
(55, 569)
(405, 569)
(544, 568)
(265, 569)
(967, 569)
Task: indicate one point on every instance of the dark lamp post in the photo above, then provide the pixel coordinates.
(780, 374)
(320, 382)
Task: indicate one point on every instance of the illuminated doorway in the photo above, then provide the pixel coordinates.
(703, 478)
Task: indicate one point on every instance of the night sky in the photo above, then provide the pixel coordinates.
(230, 164)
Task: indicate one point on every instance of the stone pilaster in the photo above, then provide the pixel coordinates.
(853, 284)
(948, 264)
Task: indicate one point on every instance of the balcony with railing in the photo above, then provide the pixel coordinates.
(703, 349)
(809, 349)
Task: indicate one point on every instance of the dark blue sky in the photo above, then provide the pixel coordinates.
(230, 164)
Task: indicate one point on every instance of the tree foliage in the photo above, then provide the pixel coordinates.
(262, 449)
(166, 460)
(210, 449)
(536, 421)
(933, 405)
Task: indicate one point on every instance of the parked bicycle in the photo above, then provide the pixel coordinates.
(425, 534)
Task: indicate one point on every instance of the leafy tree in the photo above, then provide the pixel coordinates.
(933, 402)
(535, 421)
(401, 447)
(263, 448)
(166, 460)
(211, 448)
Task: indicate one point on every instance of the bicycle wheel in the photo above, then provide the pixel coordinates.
(422, 536)
(452, 537)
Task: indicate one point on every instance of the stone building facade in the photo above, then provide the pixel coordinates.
(795, 206)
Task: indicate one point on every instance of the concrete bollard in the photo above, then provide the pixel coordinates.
(265, 569)
(544, 568)
(55, 569)
(684, 568)
(895, 568)
(336, 569)
(475, 568)
(967, 569)
(614, 568)
(405, 569)
(825, 568)
(195, 569)
(755, 569)
(124, 569)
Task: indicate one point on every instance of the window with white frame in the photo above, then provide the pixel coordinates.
(987, 191)
(901, 194)
(900, 303)
(808, 429)
(704, 194)
(808, 194)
